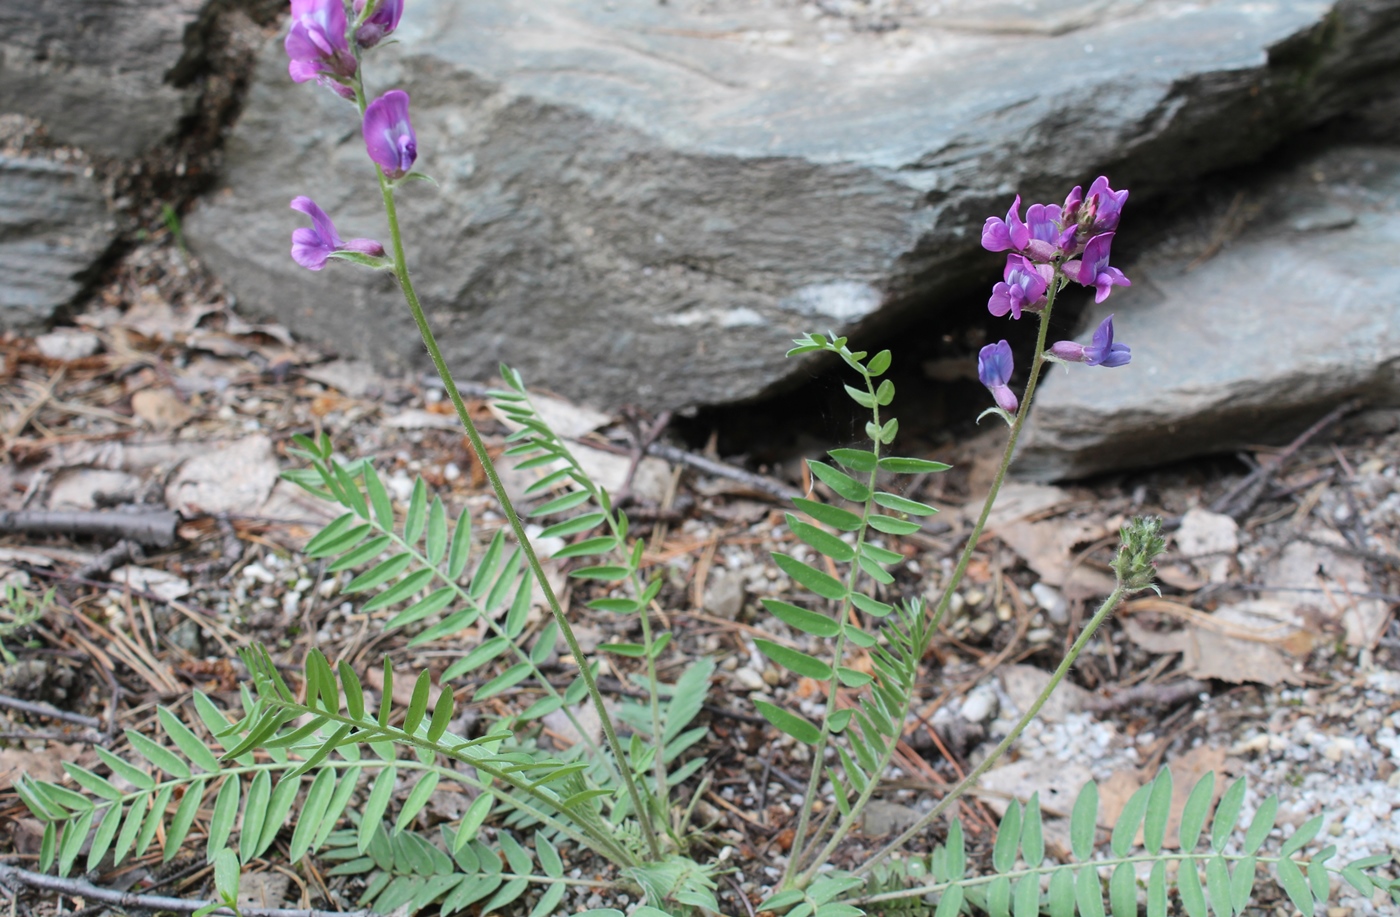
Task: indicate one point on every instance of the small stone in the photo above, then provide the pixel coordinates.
(974, 597)
(983, 624)
(980, 704)
(749, 679)
(1054, 604)
(68, 344)
(724, 593)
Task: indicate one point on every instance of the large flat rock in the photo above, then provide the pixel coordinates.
(1248, 345)
(100, 74)
(644, 202)
(54, 229)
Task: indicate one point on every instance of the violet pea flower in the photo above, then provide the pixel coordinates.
(380, 23)
(312, 248)
(317, 45)
(994, 368)
(1093, 270)
(1101, 352)
(1097, 213)
(389, 135)
(1023, 288)
(998, 235)
(1047, 236)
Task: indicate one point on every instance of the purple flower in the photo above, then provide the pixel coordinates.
(380, 24)
(998, 235)
(312, 247)
(389, 135)
(317, 45)
(1023, 288)
(994, 371)
(1093, 270)
(1102, 352)
(1047, 237)
(1099, 212)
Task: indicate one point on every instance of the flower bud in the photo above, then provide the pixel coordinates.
(1141, 544)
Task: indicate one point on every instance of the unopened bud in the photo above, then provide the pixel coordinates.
(1142, 542)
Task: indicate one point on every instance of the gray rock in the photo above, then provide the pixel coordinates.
(100, 74)
(54, 229)
(1248, 346)
(644, 202)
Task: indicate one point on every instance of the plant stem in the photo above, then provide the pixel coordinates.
(798, 853)
(523, 540)
(967, 782)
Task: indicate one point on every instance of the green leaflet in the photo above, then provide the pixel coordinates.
(794, 661)
(809, 622)
(843, 484)
(821, 583)
(792, 724)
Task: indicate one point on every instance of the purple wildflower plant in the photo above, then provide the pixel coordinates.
(994, 368)
(1022, 289)
(379, 24)
(1093, 270)
(312, 247)
(389, 135)
(318, 47)
(1102, 351)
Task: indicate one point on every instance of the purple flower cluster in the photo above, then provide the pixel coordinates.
(1055, 243)
(319, 47)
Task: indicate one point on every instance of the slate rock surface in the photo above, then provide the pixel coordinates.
(54, 227)
(644, 202)
(1295, 313)
(100, 74)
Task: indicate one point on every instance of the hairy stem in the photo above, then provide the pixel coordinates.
(523, 540)
(971, 779)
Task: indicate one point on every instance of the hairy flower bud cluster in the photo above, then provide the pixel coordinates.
(1055, 243)
(324, 44)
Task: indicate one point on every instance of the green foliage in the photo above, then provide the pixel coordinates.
(1023, 885)
(19, 610)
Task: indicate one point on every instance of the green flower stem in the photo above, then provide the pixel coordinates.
(970, 780)
(921, 890)
(798, 852)
(523, 540)
(658, 760)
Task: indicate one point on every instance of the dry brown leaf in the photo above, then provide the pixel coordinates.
(234, 479)
(161, 408)
(1238, 643)
(1024, 684)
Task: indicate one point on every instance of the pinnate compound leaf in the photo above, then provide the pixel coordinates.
(1084, 821)
(379, 574)
(1261, 825)
(1193, 816)
(817, 581)
(794, 661)
(1227, 813)
(809, 622)
(792, 724)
